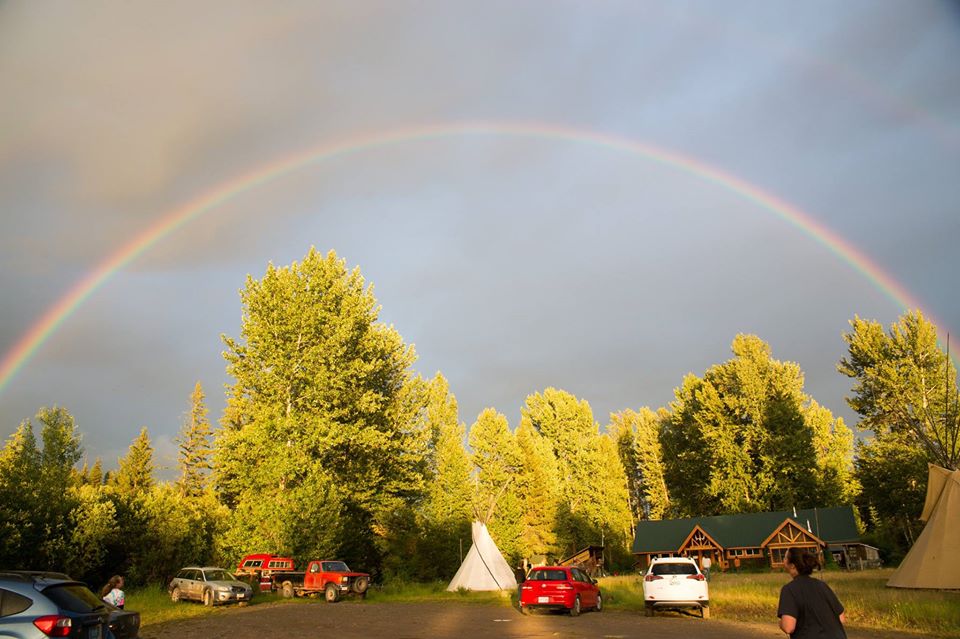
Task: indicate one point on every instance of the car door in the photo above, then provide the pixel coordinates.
(195, 581)
(584, 586)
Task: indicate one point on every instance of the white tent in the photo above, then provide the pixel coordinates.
(934, 560)
(484, 568)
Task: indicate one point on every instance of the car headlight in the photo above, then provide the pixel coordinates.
(222, 588)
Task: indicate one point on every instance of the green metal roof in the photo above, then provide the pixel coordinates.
(747, 530)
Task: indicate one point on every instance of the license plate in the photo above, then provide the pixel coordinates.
(94, 632)
(543, 599)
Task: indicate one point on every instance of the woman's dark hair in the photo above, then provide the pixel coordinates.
(803, 560)
(113, 583)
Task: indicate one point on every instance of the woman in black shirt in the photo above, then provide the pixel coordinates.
(808, 608)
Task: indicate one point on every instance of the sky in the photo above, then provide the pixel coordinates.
(592, 196)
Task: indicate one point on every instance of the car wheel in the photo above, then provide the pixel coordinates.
(360, 585)
(175, 595)
(524, 610)
(705, 612)
(207, 598)
(648, 611)
(331, 593)
(287, 590)
(576, 607)
(599, 606)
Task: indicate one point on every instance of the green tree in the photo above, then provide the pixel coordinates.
(638, 443)
(905, 391)
(742, 438)
(594, 502)
(497, 461)
(538, 482)
(448, 505)
(20, 529)
(56, 498)
(323, 396)
(904, 383)
(195, 446)
(135, 473)
(93, 527)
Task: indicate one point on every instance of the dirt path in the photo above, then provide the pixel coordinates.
(455, 621)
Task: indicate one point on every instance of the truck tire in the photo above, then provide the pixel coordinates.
(331, 593)
(360, 585)
(287, 590)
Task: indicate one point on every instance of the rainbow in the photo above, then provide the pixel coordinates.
(169, 222)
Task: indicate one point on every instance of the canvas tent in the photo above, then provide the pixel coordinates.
(934, 560)
(484, 568)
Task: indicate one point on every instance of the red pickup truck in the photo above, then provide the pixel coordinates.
(332, 578)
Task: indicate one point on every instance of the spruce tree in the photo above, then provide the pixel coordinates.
(134, 476)
(195, 446)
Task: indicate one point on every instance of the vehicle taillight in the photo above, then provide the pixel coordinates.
(54, 625)
(564, 587)
(652, 577)
(696, 577)
(526, 587)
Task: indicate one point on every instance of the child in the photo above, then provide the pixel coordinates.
(112, 593)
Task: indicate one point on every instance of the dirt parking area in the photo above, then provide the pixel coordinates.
(453, 620)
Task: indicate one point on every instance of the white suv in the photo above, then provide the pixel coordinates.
(675, 582)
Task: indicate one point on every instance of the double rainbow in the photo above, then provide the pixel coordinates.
(169, 222)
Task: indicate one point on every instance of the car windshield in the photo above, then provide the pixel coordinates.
(218, 575)
(74, 597)
(335, 566)
(547, 575)
(676, 568)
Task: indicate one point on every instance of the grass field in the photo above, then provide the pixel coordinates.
(868, 602)
(737, 597)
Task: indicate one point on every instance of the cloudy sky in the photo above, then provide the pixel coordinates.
(575, 225)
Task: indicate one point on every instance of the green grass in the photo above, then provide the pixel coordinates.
(746, 596)
(869, 603)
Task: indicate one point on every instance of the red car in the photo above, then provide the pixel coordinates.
(560, 588)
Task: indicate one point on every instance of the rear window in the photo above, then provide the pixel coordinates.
(677, 568)
(12, 603)
(74, 597)
(547, 575)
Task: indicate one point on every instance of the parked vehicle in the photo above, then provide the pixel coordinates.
(560, 588)
(675, 583)
(36, 604)
(210, 585)
(256, 569)
(332, 578)
(124, 624)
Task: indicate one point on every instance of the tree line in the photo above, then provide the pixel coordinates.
(331, 445)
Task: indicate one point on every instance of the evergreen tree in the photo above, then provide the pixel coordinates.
(55, 496)
(134, 477)
(195, 446)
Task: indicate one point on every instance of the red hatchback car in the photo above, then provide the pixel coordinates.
(560, 588)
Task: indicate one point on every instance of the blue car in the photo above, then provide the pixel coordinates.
(37, 605)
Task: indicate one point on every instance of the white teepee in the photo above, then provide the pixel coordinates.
(934, 560)
(484, 568)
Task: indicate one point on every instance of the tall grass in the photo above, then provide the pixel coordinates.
(868, 602)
